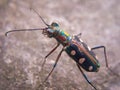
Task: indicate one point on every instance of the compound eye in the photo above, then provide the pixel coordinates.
(54, 24)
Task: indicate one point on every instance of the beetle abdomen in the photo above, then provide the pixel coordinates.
(81, 58)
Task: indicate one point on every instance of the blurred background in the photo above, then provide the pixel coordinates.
(22, 53)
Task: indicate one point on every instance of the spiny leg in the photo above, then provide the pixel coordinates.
(54, 65)
(46, 57)
(77, 37)
(98, 47)
(106, 60)
(85, 77)
(50, 53)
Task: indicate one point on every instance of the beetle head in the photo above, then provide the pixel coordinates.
(51, 30)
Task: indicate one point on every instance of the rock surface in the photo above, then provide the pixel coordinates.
(22, 53)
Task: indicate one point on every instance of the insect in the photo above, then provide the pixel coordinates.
(78, 50)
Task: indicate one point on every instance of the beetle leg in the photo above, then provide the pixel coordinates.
(98, 47)
(50, 53)
(79, 35)
(85, 76)
(54, 64)
(77, 38)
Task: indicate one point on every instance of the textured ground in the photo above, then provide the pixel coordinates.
(22, 53)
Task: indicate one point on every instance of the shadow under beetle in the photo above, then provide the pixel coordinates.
(78, 50)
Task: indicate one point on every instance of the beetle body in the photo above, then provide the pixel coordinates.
(75, 48)
(80, 57)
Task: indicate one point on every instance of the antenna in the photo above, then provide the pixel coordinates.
(39, 16)
(16, 30)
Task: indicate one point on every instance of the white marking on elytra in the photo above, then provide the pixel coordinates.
(73, 52)
(81, 60)
(81, 40)
(89, 48)
(90, 68)
(96, 57)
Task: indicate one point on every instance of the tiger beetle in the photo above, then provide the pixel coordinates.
(78, 50)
